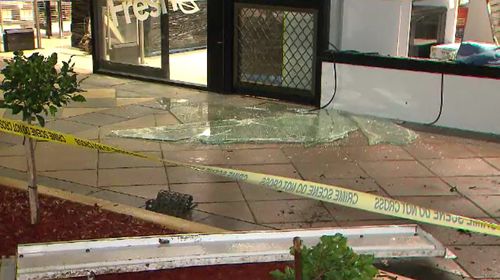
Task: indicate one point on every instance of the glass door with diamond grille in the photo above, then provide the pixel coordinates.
(276, 51)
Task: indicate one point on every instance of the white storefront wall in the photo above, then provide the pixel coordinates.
(469, 103)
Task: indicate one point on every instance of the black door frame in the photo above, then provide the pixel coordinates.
(141, 72)
(221, 59)
(220, 52)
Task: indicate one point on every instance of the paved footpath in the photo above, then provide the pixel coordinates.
(454, 173)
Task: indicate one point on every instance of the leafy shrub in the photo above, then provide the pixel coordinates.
(331, 259)
(33, 86)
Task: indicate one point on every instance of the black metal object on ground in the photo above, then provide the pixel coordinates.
(172, 203)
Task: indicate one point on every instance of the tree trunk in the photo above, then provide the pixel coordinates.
(29, 146)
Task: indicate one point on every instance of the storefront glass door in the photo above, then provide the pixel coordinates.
(156, 39)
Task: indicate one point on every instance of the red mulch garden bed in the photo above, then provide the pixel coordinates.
(62, 221)
(217, 272)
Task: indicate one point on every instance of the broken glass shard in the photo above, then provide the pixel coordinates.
(268, 122)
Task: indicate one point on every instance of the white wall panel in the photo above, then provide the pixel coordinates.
(471, 103)
(404, 95)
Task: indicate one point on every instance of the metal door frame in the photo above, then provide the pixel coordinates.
(322, 10)
(115, 68)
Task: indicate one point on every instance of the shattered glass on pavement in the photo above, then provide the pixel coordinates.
(383, 131)
(215, 122)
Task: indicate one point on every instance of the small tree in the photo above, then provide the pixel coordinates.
(33, 86)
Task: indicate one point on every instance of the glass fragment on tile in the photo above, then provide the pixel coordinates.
(213, 121)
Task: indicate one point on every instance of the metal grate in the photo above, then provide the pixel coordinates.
(275, 47)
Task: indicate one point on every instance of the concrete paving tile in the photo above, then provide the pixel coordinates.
(112, 160)
(475, 185)
(479, 261)
(99, 93)
(181, 175)
(378, 152)
(96, 119)
(90, 134)
(98, 81)
(253, 192)
(333, 169)
(485, 149)
(451, 237)
(289, 211)
(84, 177)
(460, 167)
(225, 222)
(131, 111)
(121, 93)
(415, 186)
(71, 187)
(209, 157)
(141, 122)
(425, 150)
(329, 224)
(152, 89)
(120, 198)
(255, 156)
(355, 138)
(489, 203)
(210, 192)
(131, 101)
(347, 214)
(132, 176)
(443, 137)
(14, 162)
(236, 210)
(258, 193)
(169, 147)
(144, 191)
(94, 103)
(11, 150)
(67, 126)
(494, 161)
(135, 145)
(246, 146)
(363, 184)
(386, 222)
(323, 154)
(451, 204)
(9, 115)
(72, 112)
(53, 157)
(395, 169)
(10, 139)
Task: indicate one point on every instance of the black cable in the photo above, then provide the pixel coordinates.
(334, 89)
(335, 79)
(334, 47)
(442, 102)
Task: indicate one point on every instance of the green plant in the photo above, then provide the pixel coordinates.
(33, 86)
(331, 259)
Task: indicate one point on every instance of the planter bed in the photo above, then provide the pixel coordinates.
(255, 271)
(62, 220)
(258, 271)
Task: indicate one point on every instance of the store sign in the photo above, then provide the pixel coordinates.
(143, 9)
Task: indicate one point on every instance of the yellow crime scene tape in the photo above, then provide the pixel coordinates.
(317, 191)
